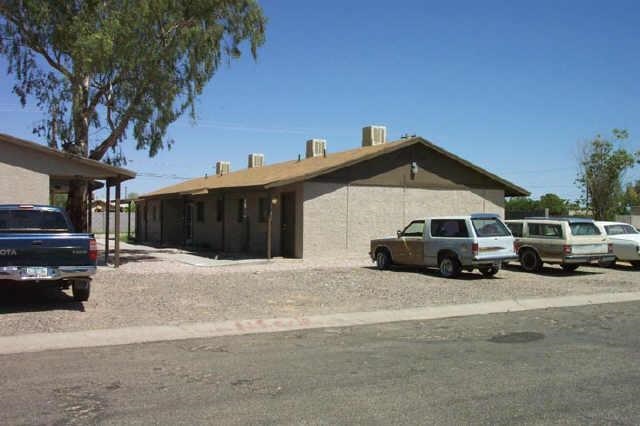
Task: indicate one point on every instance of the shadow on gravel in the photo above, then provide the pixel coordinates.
(29, 298)
(433, 272)
(130, 256)
(554, 271)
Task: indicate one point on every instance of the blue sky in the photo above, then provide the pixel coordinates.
(511, 86)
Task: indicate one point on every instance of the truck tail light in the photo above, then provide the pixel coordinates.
(474, 249)
(93, 250)
(515, 246)
(566, 249)
(610, 248)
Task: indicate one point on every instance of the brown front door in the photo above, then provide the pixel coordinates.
(288, 224)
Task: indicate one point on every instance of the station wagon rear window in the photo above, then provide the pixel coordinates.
(583, 229)
(620, 229)
(490, 227)
(449, 228)
(32, 220)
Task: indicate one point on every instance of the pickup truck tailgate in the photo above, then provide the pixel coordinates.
(44, 249)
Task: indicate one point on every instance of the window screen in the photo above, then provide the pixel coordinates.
(449, 228)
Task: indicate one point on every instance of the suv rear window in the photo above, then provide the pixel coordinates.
(490, 228)
(582, 229)
(32, 220)
(450, 228)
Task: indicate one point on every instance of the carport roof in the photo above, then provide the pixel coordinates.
(74, 165)
(288, 172)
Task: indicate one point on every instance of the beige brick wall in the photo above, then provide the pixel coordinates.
(20, 186)
(340, 218)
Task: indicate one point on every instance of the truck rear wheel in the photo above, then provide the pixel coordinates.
(449, 266)
(81, 290)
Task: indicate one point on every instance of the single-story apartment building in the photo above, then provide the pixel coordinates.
(326, 204)
(30, 173)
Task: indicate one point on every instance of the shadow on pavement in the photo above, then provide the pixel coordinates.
(433, 272)
(32, 298)
(554, 271)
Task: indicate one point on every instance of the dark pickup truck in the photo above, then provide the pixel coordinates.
(37, 244)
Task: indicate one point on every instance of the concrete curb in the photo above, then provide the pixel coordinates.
(123, 336)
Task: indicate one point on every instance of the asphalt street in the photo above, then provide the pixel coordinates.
(576, 365)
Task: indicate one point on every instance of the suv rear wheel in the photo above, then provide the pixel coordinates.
(530, 261)
(636, 264)
(449, 266)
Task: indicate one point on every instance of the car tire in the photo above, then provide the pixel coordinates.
(569, 268)
(635, 264)
(383, 260)
(449, 266)
(490, 271)
(81, 289)
(530, 261)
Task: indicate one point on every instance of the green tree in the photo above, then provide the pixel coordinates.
(556, 205)
(630, 198)
(602, 167)
(98, 69)
(521, 204)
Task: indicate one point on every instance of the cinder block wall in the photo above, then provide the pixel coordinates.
(341, 218)
(22, 186)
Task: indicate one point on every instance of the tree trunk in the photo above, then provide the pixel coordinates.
(77, 202)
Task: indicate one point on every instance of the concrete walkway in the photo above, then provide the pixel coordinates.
(130, 251)
(122, 336)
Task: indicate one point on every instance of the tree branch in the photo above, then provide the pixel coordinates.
(33, 42)
(116, 133)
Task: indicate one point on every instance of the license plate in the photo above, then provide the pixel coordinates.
(35, 272)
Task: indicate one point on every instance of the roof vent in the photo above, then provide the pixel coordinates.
(223, 168)
(374, 135)
(316, 147)
(256, 160)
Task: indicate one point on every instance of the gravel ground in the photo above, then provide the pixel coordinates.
(160, 291)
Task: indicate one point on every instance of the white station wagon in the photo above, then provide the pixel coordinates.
(625, 240)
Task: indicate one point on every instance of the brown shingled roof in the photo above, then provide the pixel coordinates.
(279, 174)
